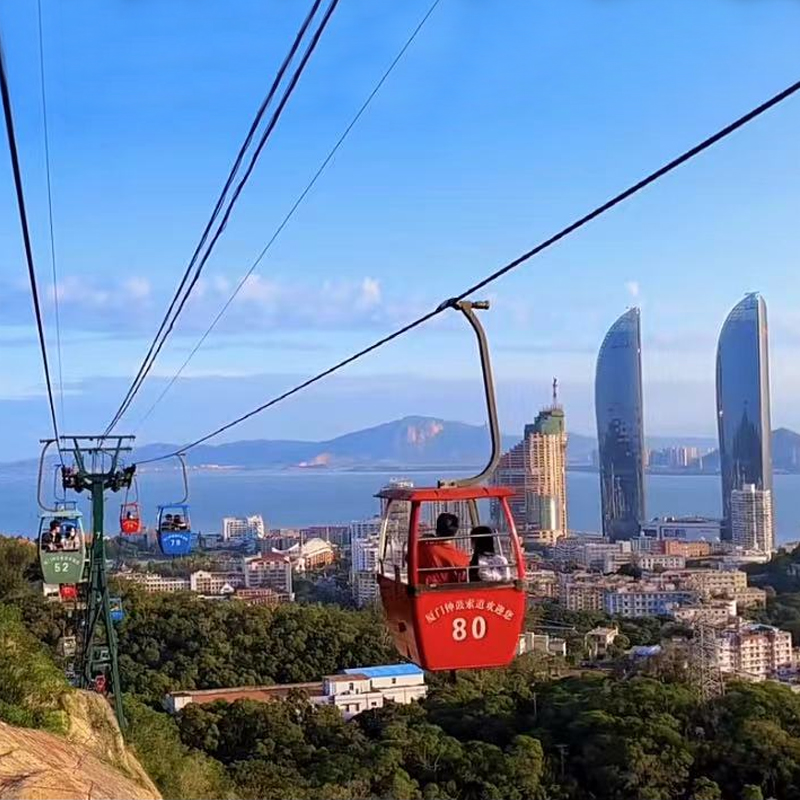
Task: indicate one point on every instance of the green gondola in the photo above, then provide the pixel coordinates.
(62, 546)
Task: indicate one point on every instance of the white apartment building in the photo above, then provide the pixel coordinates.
(152, 583)
(754, 651)
(751, 519)
(645, 599)
(215, 583)
(713, 612)
(652, 561)
(606, 557)
(364, 528)
(270, 571)
(243, 528)
(542, 583)
(751, 597)
(363, 582)
(581, 591)
(710, 582)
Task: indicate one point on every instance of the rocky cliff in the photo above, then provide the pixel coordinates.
(91, 762)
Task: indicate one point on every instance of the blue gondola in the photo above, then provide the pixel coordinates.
(174, 526)
(117, 611)
(174, 529)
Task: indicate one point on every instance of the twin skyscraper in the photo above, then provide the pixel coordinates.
(743, 422)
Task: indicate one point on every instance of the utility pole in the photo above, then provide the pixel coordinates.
(98, 663)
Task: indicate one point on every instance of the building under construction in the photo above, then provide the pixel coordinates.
(536, 469)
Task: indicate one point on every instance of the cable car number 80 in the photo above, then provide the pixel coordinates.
(462, 632)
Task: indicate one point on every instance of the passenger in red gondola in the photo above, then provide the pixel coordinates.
(486, 565)
(440, 561)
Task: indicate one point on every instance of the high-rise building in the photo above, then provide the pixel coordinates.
(751, 518)
(364, 566)
(239, 528)
(620, 427)
(743, 414)
(536, 470)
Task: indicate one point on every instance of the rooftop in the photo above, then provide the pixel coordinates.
(386, 671)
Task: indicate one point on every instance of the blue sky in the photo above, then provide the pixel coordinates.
(505, 121)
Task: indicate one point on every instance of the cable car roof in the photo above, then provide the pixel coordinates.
(445, 493)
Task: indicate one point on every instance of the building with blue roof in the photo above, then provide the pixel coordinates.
(385, 671)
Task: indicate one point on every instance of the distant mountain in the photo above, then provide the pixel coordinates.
(408, 442)
(785, 453)
(411, 442)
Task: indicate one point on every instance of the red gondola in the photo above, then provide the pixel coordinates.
(130, 521)
(454, 598)
(68, 592)
(130, 515)
(446, 617)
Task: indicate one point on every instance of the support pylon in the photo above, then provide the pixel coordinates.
(704, 660)
(98, 662)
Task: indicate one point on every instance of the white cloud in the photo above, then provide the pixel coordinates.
(137, 288)
(632, 287)
(370, 293)
(103, 304)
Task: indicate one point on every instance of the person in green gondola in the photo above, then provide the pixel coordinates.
(56, 539)
(70, 537)
(47, 539)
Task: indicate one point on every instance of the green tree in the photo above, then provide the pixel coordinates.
(705, 789)
(31, 686)
(177, 770)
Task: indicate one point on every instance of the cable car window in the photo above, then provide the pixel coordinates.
(394, 539)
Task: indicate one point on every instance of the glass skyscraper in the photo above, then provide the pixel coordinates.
(743, 417)
(620, 427)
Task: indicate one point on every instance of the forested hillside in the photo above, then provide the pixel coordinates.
(517, 733)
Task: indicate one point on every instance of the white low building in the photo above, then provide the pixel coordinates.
(543, 643)
(362, 688)
(352, 691)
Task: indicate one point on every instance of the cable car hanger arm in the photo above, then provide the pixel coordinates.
(468, 308)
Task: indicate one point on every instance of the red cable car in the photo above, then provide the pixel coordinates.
(130, 516)
(454, 598)
(130, 521)
(68, 592)
(444, 610)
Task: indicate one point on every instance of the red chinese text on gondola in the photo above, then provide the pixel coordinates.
(443, 609)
